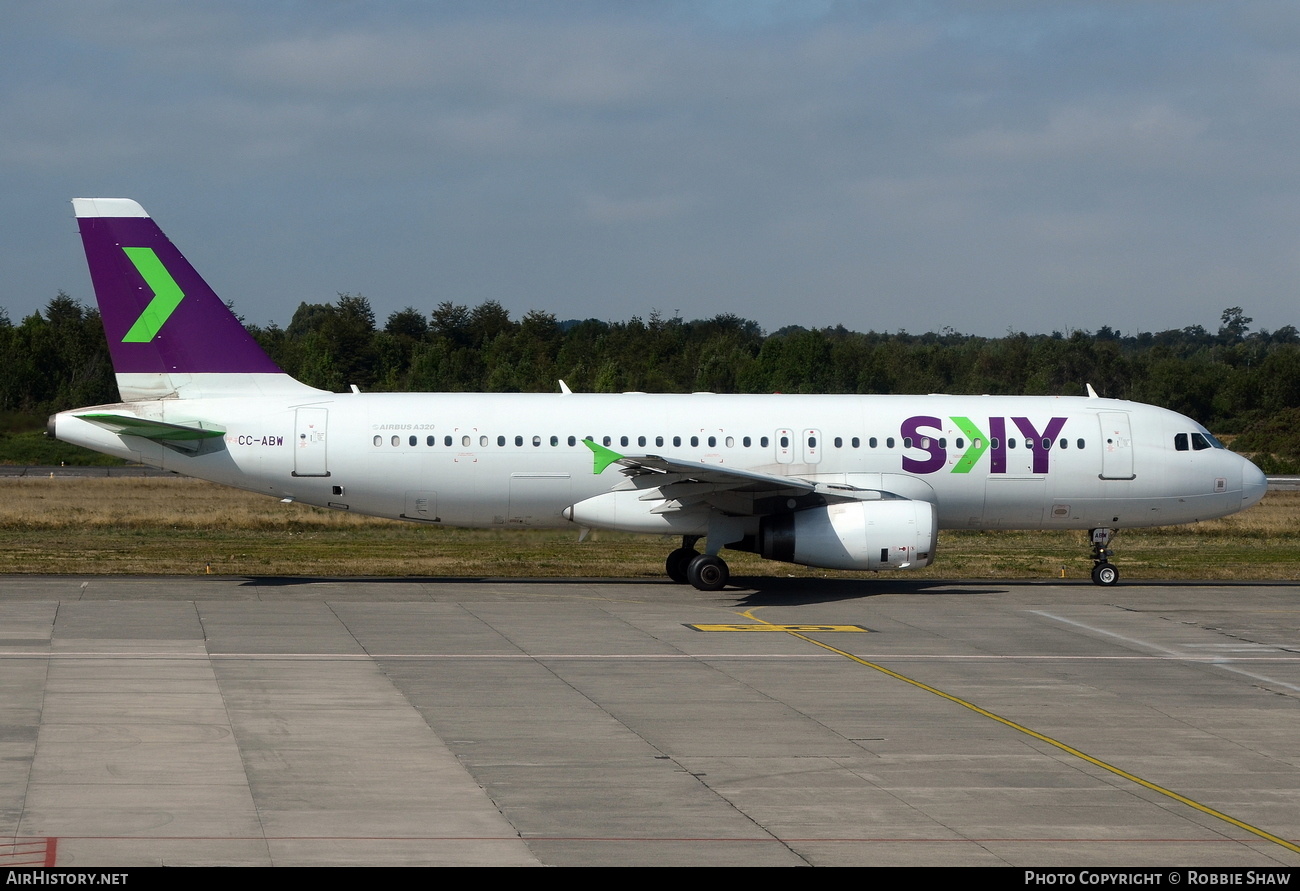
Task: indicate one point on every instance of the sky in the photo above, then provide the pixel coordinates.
(891, 166)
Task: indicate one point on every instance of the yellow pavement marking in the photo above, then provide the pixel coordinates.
(804, 629)
(1096, 762)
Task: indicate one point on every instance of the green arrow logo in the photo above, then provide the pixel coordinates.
(167, 295)
(979, 444)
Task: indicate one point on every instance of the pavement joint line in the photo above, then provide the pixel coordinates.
(1175, 654)
(361, 657)
(1041, 737)
(766, 839)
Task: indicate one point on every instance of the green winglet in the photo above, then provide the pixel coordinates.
(601, 457)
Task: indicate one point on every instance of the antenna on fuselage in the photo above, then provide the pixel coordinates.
(1092, 394)
(564, 389)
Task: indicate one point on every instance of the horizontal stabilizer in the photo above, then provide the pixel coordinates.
(181, 436)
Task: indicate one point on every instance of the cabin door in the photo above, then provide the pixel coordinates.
(1116, 446)
(309, 442)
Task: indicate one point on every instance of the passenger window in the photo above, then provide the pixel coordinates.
(839, 442)
(907, 442)
(605, 440)
(960, 443)
(483, 441)
(640, 440)
(855, 442)
(731, 442)
(993, 442)
(889, 442)
(1079, 443)
(713, 442)
(555, 440)
(873, 442)
(785, 442)
(1065, 443)
(537, 440)
(379, 440)
(519, 440)
(677, 442)
(1029, 444)
(397, 440)
(695, 441)
(413, 440)
(812, 442)
(573, 440)
(943, 442)
(501, 440)
(746, 442)
(659, 441)
(464, 441)
(446, 440)
(1011, 443)
(622, 440)
(762, 442)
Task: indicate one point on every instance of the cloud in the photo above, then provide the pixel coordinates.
(604, 209)
(778, 160)
(1143, 134)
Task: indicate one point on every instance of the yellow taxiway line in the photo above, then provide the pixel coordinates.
(1096, 762)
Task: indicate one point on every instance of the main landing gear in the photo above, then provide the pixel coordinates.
(1103, 571)
(707, 572)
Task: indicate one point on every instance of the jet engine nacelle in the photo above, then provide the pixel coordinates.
(856, 535)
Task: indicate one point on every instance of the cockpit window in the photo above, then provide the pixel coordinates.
(1180, 442)
(1200, 443)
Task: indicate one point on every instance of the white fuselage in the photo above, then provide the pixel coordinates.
(484, 460)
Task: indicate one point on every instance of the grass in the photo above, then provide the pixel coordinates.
(175, 526)
(33, 448)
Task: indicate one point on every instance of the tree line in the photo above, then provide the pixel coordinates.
(1235, 380)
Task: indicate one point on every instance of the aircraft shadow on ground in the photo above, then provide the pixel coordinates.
(759, 591)
(746, 590)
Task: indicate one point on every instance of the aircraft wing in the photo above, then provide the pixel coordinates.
(181, 436)
(685, 484)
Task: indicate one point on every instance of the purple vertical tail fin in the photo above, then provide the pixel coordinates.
(170, 336)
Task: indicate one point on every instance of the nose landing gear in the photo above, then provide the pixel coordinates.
(1103, 571)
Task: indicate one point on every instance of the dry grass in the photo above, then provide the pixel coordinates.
(178, 526)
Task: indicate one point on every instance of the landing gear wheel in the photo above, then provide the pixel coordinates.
(1103, 571)
(708, 573)
(1105, 574)
(677, 562)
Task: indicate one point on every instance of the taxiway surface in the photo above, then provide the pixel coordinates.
(468, 721)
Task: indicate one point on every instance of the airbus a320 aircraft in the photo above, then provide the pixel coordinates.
(843, 482)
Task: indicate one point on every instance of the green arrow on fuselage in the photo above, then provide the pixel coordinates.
(979, 444)
(167, 295)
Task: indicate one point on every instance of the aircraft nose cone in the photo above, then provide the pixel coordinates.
(1253, 485)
